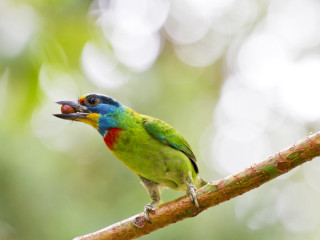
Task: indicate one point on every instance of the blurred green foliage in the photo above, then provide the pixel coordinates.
(49, 194)
(52, 193)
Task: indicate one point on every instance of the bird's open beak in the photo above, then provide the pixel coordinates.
(80, 111)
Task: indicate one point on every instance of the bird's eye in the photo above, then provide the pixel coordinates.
(92, 101)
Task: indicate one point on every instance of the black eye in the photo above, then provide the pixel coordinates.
(92, 101)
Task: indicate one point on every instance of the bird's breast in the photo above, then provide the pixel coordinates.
(112, 137)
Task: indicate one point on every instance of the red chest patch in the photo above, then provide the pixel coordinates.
(112, 137)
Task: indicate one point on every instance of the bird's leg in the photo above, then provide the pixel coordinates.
(153, 189)
(191, 191)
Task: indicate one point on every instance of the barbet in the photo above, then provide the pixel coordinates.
(149, 147)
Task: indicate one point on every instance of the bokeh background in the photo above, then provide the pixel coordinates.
(239, 79)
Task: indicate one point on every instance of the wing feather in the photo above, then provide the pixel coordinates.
(168, 135)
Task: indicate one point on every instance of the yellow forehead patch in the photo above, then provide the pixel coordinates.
(81, 100)
(91, 119)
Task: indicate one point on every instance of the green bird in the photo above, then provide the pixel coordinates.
(149, 147)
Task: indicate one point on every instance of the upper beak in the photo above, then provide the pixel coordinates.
(80, 111)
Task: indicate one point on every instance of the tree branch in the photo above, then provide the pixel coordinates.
(213, 193)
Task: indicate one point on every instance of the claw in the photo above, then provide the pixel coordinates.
(191, 191)
(147, 209)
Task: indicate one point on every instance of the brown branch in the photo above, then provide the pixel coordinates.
(213, 193)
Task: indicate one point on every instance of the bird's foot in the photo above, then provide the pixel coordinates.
(191, 191)
(147, 209)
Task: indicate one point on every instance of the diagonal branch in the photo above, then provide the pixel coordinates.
(213, 193)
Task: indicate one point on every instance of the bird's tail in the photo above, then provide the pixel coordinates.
(200, 182)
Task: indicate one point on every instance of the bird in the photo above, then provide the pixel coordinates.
(149, 147)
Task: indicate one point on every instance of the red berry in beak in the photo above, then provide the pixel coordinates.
(67, 109)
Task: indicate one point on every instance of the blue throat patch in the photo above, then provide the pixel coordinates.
(110, 120)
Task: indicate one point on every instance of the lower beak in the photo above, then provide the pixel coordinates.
(71, 116)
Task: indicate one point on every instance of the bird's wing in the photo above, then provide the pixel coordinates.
(168, 135)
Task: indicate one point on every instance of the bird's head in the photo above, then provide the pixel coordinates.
(99, 111)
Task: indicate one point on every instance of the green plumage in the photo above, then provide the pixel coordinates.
(154, 150)
(169, 136)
